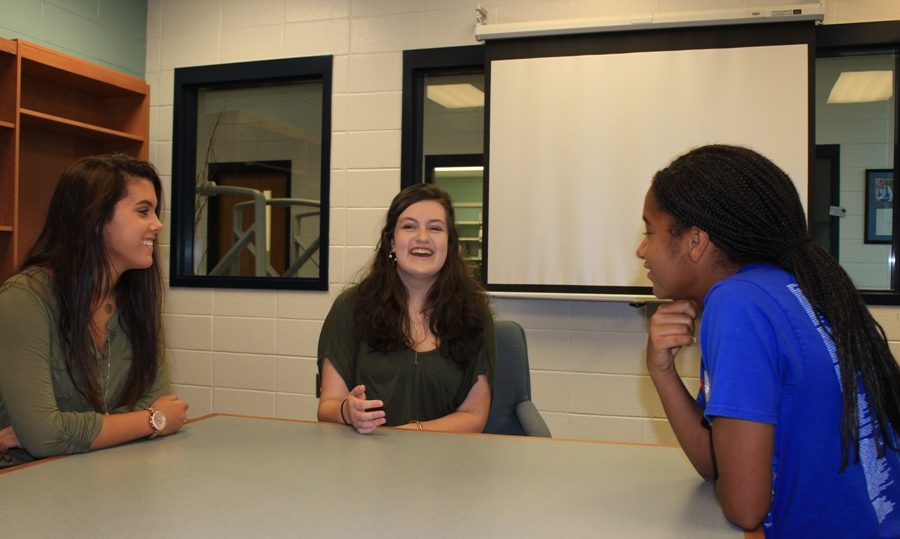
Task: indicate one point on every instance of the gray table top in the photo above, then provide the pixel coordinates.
(229, 476)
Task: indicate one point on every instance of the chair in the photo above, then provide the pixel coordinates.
(512, 411)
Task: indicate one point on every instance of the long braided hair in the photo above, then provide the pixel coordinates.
(752, 213)
(456, 303)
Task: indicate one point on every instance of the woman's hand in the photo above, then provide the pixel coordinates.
(337, 404)
(8, 440)
(175, 411)
(356, 414)
(471, 416)
(671, 327)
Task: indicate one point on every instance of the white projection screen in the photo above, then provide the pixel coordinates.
(575, 140)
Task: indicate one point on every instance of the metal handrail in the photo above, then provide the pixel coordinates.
(244, 239)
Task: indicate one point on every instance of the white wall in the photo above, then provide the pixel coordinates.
(253, 352)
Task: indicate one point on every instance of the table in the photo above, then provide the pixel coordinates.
(233, 476)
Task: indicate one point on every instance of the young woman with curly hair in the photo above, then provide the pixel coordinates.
(412, 345)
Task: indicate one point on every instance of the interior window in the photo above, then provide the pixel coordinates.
(462, 177)
(250, 174)
(852, 214)
(444, 135)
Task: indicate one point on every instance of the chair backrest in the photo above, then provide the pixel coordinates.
(512, 379)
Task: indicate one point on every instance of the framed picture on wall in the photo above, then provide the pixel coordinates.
(879, 205)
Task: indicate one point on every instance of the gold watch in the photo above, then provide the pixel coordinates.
(157, 421)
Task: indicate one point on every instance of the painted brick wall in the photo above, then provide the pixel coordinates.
(107, 32)
(253, 352)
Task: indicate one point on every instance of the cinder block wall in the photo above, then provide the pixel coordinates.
(253, 352)
(108, 32)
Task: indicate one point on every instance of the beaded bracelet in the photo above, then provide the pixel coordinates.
(344, 419)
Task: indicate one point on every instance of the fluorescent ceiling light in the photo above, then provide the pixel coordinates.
(458, 172)
(862, 87)
(459, 169)
(456, 96)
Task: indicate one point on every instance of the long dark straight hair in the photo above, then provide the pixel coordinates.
(752, 213)
(71, 245)
(456, 303)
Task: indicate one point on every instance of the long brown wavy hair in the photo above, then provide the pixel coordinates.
(72, 246)
(456, 304)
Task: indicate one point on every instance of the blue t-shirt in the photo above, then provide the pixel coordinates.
(767, 358)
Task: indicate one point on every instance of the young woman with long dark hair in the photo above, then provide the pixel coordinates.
(797, 415)
(82, 364)
(412, 345)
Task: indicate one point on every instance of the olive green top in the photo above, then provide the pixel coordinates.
(37, 395)
(413, 385)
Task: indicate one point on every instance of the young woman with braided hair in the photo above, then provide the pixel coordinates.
(799, 405)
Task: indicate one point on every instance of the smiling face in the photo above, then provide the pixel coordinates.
(420, 242)
(131, 233)
(665, 254)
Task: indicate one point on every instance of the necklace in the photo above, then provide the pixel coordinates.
(106, 352)
(418, 326)
(417, 332)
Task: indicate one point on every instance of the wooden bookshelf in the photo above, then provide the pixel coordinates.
(55, 108)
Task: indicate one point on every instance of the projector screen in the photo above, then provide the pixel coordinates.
(575, 140)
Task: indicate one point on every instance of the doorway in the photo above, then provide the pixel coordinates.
(825, 199)
(273, 179)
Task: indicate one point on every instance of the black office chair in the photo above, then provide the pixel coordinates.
(512, 411)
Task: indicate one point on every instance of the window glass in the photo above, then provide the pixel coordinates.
(453, 146)
(854, 126)
(266, 140)
(250, 174)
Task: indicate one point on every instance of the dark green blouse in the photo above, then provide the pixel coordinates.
(413, 385)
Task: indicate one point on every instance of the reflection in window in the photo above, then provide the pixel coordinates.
(443, 126)
(462, 177)
(274, 132)
(250, 174)
(451, 120)
(453, 145)
(453, 114)
(855, 113)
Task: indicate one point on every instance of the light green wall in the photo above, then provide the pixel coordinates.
(112, 33)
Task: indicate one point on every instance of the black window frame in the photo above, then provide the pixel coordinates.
(863, 38)
(188, 82)
(418, 64)
(830, 39)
